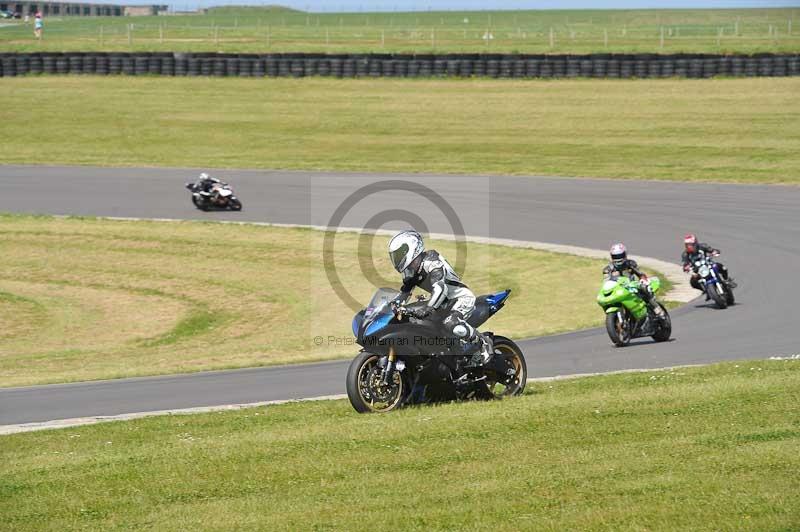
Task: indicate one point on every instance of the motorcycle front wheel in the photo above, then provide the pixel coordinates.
(717, 293)
(617, 329)
(235, 204)
(729, 299)
(665, 327)
(199, 203)
(365, 387)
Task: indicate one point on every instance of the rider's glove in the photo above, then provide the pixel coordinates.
(687, 267)
(421, 313)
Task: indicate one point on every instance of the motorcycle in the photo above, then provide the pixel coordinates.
(405, 360)
(219, 197)
(627, 315)
(714, 285)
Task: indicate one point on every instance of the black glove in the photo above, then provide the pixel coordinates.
(422, 312)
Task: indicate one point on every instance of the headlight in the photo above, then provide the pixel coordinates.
(703, 271)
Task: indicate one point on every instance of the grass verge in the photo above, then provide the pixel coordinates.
(711, 448)
(730, 130)
(88, 299)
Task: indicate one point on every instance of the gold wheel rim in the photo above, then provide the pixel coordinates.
(515, 360)
(367, 366)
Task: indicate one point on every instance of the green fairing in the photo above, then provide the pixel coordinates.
(625, 292)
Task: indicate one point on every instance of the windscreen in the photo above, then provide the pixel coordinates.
(380, 301)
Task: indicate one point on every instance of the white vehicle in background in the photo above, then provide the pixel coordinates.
(209, 193)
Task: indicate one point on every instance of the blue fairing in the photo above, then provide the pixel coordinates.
(357, 319)
(379, 323)
(498, 298)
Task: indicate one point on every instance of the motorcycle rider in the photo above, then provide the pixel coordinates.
(693, 250)
(431, 272)
(206, 183)
(621, 265)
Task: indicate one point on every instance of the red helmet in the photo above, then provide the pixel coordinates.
(690, 241)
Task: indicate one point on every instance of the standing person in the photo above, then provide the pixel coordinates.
(38, 25)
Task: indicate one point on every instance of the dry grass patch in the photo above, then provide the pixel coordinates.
(91, 298)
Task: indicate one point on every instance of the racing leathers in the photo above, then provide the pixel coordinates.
(431, 272)
(630, 269)
(688, 259)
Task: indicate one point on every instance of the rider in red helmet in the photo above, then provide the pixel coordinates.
(621, 265)
(692, 251)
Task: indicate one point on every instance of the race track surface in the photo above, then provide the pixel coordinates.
(756, 227)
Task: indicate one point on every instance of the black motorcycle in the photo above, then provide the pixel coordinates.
(709, 275)
(406, 360)
(219, 197)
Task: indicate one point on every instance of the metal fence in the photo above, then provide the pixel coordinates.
(402, 65)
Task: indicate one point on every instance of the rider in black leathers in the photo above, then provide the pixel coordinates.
(693, 250)
(621, 265)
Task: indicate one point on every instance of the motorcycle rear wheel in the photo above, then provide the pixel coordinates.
(617, 330)
(364, 389)
(506, 348)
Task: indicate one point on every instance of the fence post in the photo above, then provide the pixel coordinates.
(216, 34)
(605, 38)
(551, 37)
(161, 34)
(130, 34)
(661, 44)
(433, 38)
(383, 37)
(101, 35)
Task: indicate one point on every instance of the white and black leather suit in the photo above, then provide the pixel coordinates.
(431, 272)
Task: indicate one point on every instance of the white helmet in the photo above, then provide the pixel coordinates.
(404, 247)
(619, 254)
(203, 176)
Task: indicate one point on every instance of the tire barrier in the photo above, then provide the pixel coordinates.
(517, 66)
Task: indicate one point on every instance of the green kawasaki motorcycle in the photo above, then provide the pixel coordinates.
(627, 316)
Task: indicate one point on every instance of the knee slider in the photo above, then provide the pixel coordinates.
(461, 330)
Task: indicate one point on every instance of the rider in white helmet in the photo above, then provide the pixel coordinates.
(431, 272)
(621, 265)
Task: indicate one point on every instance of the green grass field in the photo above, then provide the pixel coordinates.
(728, 130)
(705, 449)
(88, 299)
(573, 31)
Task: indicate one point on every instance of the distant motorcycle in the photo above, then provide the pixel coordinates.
(219, 197)
(627, 315)
(710, 278)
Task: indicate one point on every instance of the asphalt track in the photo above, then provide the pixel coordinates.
(756, 227)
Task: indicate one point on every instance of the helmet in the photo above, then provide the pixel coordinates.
(690, 241)
(404, 247)
(619, 254)
(203, 176)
